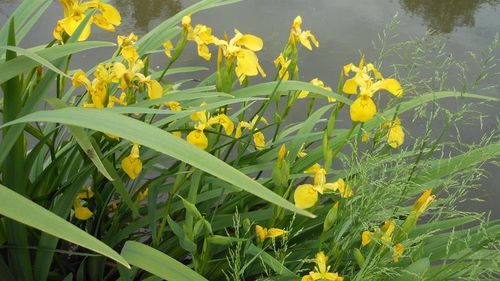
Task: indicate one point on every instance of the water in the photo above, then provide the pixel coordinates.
(344, 28)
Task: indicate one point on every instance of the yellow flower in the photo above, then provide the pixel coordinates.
(366, 238)
(319, 83)
(132, 164)
(198, 139)
(363, 108)
(305, 196)
(106, 17)
(322, 270)
(201, 35)
(423, 202)
(204, 120)
(263, 233)
(168, 46)
(81, 212)
(281, 153)
(398, 250)
(243, 48)
(258, 137)
(396, 134)
(282, 64)
(124, 41)
(304, 37)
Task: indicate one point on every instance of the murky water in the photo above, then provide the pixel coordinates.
(344, 28)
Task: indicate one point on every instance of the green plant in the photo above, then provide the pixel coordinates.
(106, 169)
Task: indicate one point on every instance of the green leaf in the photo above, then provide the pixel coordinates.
(274, 264)
(158, 263)
(22, 63)
(416, 270)
(19, 208)
(33, 56)
(161, 141)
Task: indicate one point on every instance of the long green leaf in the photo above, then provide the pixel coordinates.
(19, 208)
(22, 63)
(161, 141)
(158, 263)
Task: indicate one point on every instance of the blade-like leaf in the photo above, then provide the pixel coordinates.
(19, 208)
(158, 263)
(161, 141)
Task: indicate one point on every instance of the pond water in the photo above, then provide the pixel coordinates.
(344, 28)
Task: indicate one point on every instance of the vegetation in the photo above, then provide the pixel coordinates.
(122, 173)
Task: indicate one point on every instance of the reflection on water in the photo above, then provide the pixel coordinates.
(442, 16)
(139, 13)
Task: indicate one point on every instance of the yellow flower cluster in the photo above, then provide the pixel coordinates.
(322, 270)
(306, 195)
(366, 82)
(263, 233)
(82, 212)
(128, 77)
(106, 17)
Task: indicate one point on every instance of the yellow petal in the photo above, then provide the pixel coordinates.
(86, 194)
(321, 261)
(350, 86)
(155, 90)
(247, 62)
(110, 13)
(303, 94)
(390, 85)
(261, 232)
(362, 109)
(83, 213)
(142, 195)
(366, 237)
(132, 166)
(313, 169)
(103, 23)
(168, 46)
(423, 202)
(396, 136)
(204, 52)
(80, 79)
(259, 140)
(250, 41)
(130, 54)
(307, 278)
(225, 122)
(305, 196)
(197, 138)
(177, 134)
(275, 232)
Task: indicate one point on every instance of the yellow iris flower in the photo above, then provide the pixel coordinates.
(242, 47)
(363, 108)
(200, 34)
(132, 164)
(263, 233)
(318, 83)
(197, 137)
(306, 195)
(106, 17)
(322, 270)
(124, 41)
(259, 139)
(304, 37)
(81, 212)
